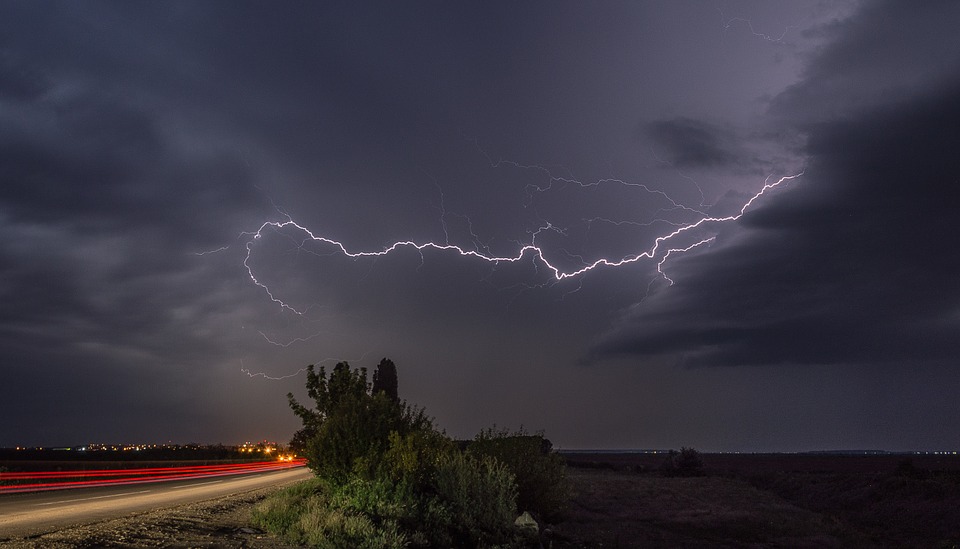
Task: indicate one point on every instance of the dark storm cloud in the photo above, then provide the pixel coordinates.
(692, 143)
(856, 264)
(103, 204)
(19, 81)
(888, 52)
(135, 136)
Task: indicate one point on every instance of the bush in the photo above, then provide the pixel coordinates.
(685, 463)
(353, 437)
(348, 431)
(380, 498)
(308, 513)
(327, 527)
(466, 502)
(412, 458)
(474, 503)
(542, 486)
(388, 478)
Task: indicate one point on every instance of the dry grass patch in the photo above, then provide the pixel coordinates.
(611, 509)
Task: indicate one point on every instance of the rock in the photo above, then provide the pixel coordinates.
(527, 524)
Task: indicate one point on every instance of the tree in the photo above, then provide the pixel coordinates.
(299, 441)
(348, 429)
(387, 473)
(385, 379)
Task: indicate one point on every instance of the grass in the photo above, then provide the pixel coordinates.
(763, 501)
(887, 509)
(618, 509)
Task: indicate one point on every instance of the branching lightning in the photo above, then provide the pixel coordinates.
(292, 341)
(679, 250)
(298, 372)
(727, 23)
(208, 252)
(530, 250)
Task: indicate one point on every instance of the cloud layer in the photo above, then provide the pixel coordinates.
(141, 144)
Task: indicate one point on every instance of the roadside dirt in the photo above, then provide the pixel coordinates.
(222, 523)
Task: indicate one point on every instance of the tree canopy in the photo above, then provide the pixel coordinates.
(348, 428)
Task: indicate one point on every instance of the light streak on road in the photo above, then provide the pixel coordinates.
(38, 481)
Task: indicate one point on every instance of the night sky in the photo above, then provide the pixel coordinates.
(167, 171)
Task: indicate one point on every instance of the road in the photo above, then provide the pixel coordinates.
(31, 514)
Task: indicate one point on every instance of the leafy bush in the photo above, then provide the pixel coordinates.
(379, 498)
(466, 502)
(388, 478)
(353, 437)
(685, 463)
(412, 458)
(308, 513)
(348, 431)
(474, 503)
(540, 474)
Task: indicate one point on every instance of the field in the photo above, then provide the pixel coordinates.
(622, 501)
(742, 500)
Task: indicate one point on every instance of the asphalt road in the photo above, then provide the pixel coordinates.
(31, 514)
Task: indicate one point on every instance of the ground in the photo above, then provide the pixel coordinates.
(619, 510)
(223, 523)
(779, 500)
(623, 502)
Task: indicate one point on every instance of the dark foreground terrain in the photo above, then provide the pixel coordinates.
(222, 523)
(623, 501)
(742, 500)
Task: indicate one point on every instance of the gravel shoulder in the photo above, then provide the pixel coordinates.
(222, 523)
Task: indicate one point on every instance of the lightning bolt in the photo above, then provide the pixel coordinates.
(679, 250)
(531, 250)
(266, 376)
(727, 23)
(292, 341)
(208, 252)
(298, 372)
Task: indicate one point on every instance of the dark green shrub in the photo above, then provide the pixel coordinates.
(380, 499)
(474, 503)
(540, 474)
(353, 437)
(385, 380)
(388, 478)
(347, 431)
(331, 517)
(412, 458)
(685, 463)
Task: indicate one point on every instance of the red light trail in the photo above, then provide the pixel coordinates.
(38, 481)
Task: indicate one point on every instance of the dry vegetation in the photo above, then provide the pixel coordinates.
(763, 501)
(621, 509)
